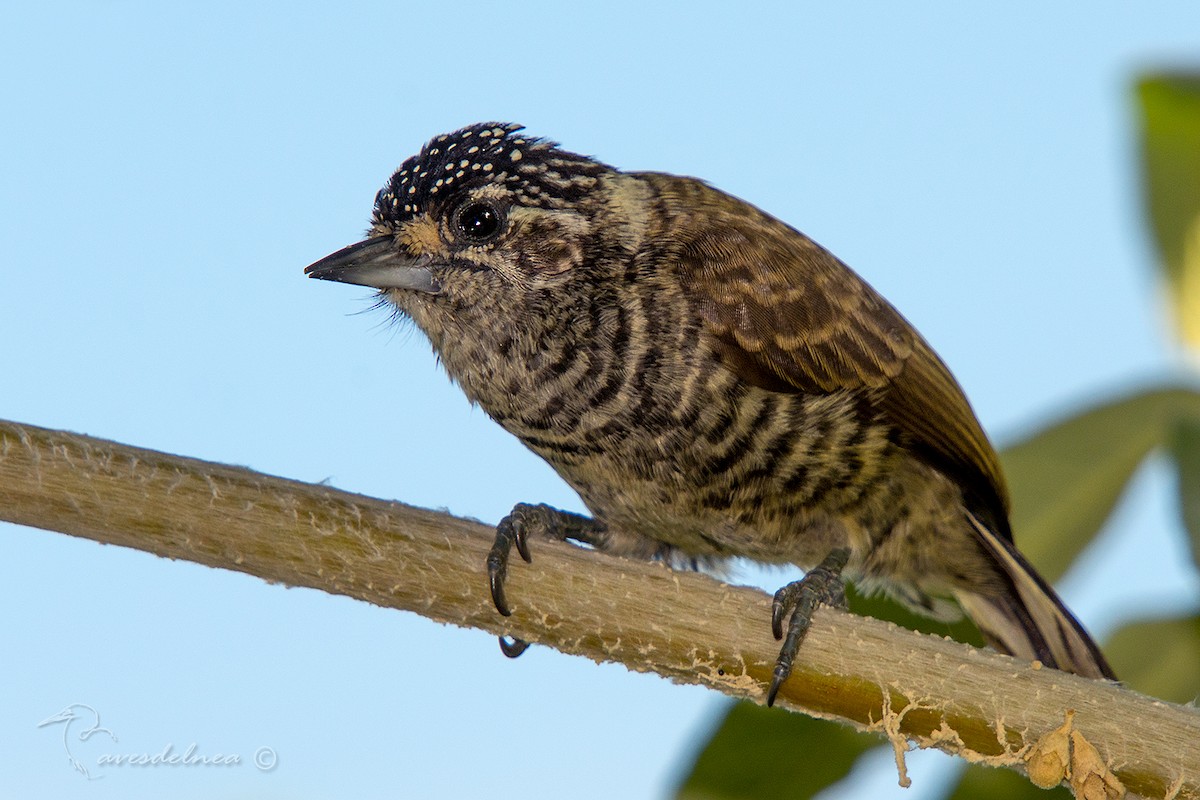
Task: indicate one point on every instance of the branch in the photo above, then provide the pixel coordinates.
(684, 626)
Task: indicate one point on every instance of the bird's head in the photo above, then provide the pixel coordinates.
(483, 221)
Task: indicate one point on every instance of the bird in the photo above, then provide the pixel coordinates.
(713, 384)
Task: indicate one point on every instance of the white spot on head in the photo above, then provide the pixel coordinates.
(474, 149)
(516, 155)
(487, 167)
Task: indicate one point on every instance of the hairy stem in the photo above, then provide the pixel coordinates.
(684, 626)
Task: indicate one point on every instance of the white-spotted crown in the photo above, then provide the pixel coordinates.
(535, 171)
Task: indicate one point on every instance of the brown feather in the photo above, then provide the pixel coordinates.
(788, 316)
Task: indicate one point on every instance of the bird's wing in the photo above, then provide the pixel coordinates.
(788, 316)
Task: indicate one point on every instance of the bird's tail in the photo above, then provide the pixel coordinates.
(1030, 621)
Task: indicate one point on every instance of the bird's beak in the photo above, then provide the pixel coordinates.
(378, 263)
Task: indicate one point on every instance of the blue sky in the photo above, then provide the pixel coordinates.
(170, 170)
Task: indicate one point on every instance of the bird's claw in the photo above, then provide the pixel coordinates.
(514, 530)
(797, 601)
(512, 647)
(521, 540)
(511, 531)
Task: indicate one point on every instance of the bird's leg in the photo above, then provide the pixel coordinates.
(799, 599)
(515, 529)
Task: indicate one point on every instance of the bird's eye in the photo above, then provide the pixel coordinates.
(478, 222)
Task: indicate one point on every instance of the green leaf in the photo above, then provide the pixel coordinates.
(1159, 657)
(1185, 449)
(762, 752)
(1171, 160)
(1066, 478)
(989, 783)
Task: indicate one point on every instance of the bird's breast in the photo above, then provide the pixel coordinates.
(682, 452)
(627, 398)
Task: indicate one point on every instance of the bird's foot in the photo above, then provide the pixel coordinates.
(797, 601)
(515, 530)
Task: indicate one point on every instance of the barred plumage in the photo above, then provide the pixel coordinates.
(712, 382)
